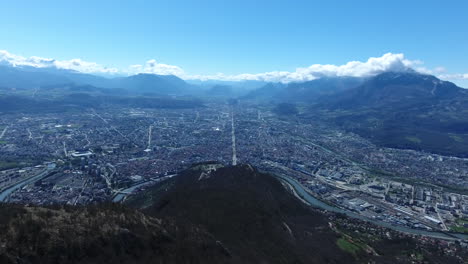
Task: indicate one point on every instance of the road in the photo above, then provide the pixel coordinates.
(30, 134)
(65, 149)
(83, 188)
(389, 207)
(316, 176)
(234, 154)
(108, 179)
(4, 195)
(3, 132)
(87, 139)
(440, 218)
(111, 126)
(121, 195)
(308, 143)
(150, 130)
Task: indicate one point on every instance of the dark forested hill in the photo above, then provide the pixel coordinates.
(251, 213)
(258, 220)
(207, 214)
(99, 234)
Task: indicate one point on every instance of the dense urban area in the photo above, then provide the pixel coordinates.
(106, 154)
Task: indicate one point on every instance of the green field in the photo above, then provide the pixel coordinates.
(348, 246)
(458, 226)
(414, 139)
(5, 165)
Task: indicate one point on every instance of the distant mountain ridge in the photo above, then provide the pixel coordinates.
(143, 82)
(268, 92)
(403, 110)
(28, 77)
(305, 92)
(31, 78)
(397, 88)
(314, 90)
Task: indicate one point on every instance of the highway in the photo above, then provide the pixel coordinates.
(234, 154)
(65, 149)
(150, 129)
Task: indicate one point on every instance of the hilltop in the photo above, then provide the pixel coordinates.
(208, 214)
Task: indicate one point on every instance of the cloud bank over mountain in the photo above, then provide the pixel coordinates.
(152, 66)
(374, 65)
(457, 76)
(39, 62)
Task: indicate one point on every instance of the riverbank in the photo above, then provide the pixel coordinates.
(122, 194)
(6, 193)
(300, 190)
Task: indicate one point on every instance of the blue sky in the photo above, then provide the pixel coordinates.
(235, 37)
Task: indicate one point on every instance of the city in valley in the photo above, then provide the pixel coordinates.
(106, 154)
(226, 132)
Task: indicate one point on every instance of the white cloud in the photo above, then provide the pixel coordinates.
(16, 60)
(455, 76)
(74, 64)
(152, 66)
(437, 70)
(84, 66)
(373, 66)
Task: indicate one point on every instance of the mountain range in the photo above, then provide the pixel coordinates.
(402, 88)
(26, 77)
(304, 92)
(405, 110)
(32, 78)
(402, 109)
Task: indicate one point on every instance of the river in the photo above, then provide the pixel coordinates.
(6, 193)
(125, 192)
(317, 203)
(297, 186)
